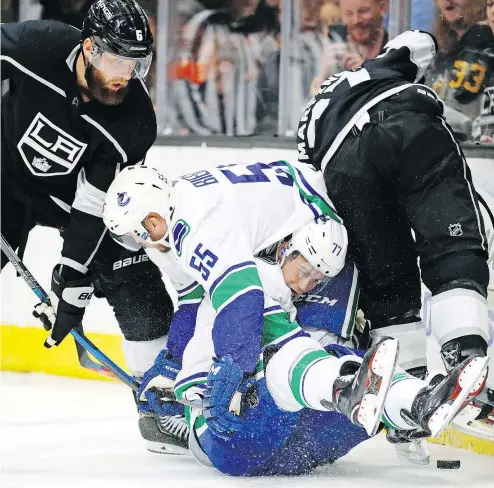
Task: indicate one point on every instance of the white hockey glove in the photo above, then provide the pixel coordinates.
(47, 313)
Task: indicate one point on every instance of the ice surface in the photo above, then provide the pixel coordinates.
(67, 433)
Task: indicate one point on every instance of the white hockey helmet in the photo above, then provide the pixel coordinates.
(133, 195)
(323, 243)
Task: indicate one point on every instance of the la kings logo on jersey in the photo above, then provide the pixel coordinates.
(47, 150)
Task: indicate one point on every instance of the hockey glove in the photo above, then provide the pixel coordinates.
(223, 397)
(73, 296)
(156, 391)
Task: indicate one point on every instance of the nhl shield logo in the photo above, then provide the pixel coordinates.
(455, 230)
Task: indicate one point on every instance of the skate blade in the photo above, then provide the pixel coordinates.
(382, 366)
(413, 452)
(169, 449)
(471, 381)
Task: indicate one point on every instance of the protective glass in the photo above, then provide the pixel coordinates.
(118, 66)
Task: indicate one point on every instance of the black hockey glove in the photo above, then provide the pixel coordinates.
(69, 299)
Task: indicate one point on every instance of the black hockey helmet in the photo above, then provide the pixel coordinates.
(121, 28)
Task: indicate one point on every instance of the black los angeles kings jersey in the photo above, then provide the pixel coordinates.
(344, 99)
(56, 145)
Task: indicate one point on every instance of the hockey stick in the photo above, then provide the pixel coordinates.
(80, 338)
(85, 361)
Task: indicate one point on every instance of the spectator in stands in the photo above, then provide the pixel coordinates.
(331, 13)
(483, 127)
(361, 37)
(306, 50)
(215, 66)
(453, 18)
(464, 63)
(489, 7)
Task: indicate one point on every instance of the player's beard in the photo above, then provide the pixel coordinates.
(99, 87)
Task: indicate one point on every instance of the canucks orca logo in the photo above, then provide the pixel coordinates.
(122, 199)
(179, 232)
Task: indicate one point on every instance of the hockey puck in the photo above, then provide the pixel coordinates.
(442, 464)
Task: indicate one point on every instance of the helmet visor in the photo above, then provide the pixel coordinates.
(115, 66)
(307, 272)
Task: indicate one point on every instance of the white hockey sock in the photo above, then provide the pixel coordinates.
(290, 375)
(402, 392)
(459, 312)
(312, 378)
(140, 355)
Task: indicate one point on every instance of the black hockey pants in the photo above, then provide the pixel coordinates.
(404, 170)
(130, 282)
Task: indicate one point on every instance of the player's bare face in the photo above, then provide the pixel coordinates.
(363, 19)
(107, 90)
(300, 276)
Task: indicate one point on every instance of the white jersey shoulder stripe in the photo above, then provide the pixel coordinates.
(145, 87)
(74, 265)
(71, 57)
(422, 49)
(33, 75)
(95, 249)
(88, 198)
(118, 147)
(61, 203)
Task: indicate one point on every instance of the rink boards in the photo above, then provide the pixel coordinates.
(21, 337)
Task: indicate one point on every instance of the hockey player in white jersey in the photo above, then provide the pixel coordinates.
(420, 407)
(215, 221)
(227, 379)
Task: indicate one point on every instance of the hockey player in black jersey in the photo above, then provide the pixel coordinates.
(76, 113)
(399, 180)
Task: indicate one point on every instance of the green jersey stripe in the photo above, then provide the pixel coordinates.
(298, 374)
(314, 199)
(196, 381)
(196, 293)
(277, 326)
(233, 284)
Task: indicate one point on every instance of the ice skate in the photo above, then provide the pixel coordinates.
(164, 434)
(408, 447)
(360, 391)
(441, 401)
